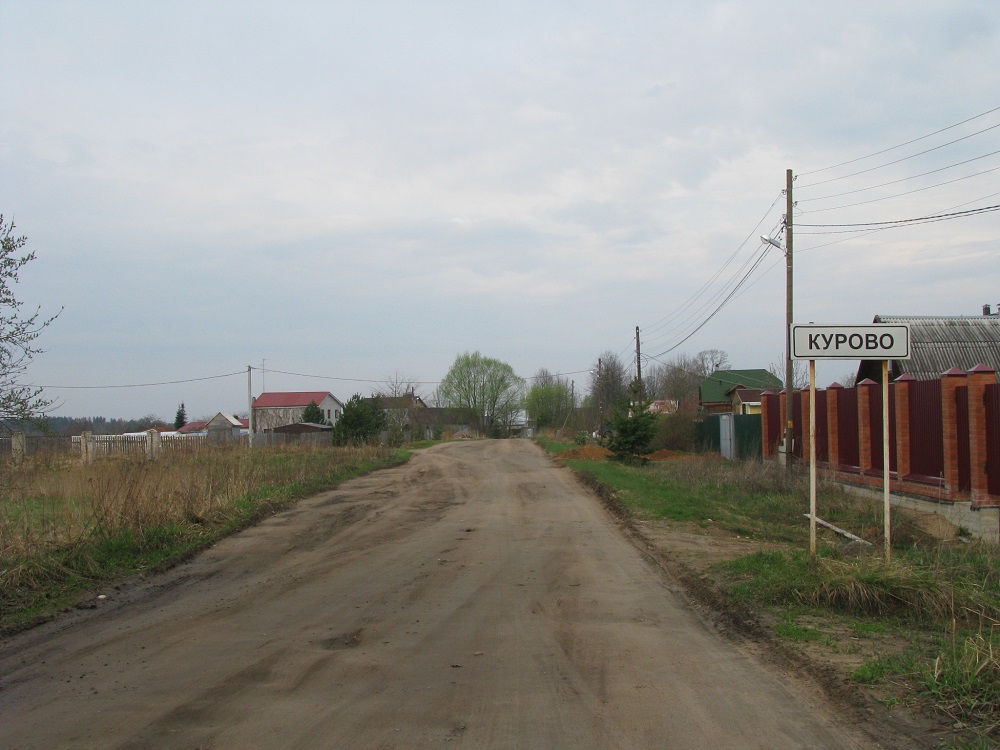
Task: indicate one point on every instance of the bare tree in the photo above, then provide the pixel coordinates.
(398, 384)
(800, 372)
(609, 381)
(18, 333)
(397, 394)
(708, 361)
(848, 379)
(681, 376)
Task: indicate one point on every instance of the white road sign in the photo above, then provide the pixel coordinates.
(875, 341)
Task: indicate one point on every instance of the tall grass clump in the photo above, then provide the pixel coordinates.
(65, 525)
(964, 680)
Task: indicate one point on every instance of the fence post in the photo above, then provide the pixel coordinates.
(87, 447)
(783, 450)
(950, 380)
(18, 447)
(152, 444)
(979, 377)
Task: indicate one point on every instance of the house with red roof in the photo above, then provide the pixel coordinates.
(280, 408)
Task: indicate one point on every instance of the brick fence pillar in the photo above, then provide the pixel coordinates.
(865, 404)
(901, 390)
(950, 380)
(979, 377)
(783, 411)
(833, 424)
(803, 397)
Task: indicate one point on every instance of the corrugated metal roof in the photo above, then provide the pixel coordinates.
(937, 344)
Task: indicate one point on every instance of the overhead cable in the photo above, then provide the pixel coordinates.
(901, 159)
(913, 221)
(137, 385)
(902, 179)
(654, 327)
(901, 145)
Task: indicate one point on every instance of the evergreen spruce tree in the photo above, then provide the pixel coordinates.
(313, 414)
(634, 428)
(181, 419)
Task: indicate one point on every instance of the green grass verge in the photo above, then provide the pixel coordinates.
(942, 599)
(554, 446)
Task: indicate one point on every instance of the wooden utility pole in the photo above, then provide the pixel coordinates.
(789, 370)
(250, 424)
(600, 401)
(638, 362)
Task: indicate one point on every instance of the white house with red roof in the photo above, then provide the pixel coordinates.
(277, 409)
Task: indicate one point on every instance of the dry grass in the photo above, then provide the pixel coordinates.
(868, 587)
(58, 517)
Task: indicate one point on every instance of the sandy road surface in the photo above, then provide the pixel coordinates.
(476, 597)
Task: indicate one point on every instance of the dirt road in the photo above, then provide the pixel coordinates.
(476, 597)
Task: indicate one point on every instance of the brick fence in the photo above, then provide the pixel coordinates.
(944, 436)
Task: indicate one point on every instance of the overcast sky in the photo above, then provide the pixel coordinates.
(353, 190)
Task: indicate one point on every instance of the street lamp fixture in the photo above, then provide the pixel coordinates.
(769, 241)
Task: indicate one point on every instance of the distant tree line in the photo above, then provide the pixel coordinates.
(71, 426)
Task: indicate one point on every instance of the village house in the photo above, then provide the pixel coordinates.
(280, 408)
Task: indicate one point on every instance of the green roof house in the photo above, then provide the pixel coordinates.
(715, 391)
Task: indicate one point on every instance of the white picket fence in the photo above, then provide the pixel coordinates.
(149, 444)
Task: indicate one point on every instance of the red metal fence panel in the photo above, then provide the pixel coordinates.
(926, 431)
(992, 399)
(773, 422)
(847, 419)
(877, 439)
(962, 427)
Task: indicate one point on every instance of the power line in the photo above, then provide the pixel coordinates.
(680, 309)
(901, 145)
(137, 385)
(902, 159)
(914, 221)
(331, 377)
(900, 195)
(722, 304)
(902, 179)
(726, 288)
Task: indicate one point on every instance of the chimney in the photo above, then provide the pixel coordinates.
(986, 310)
